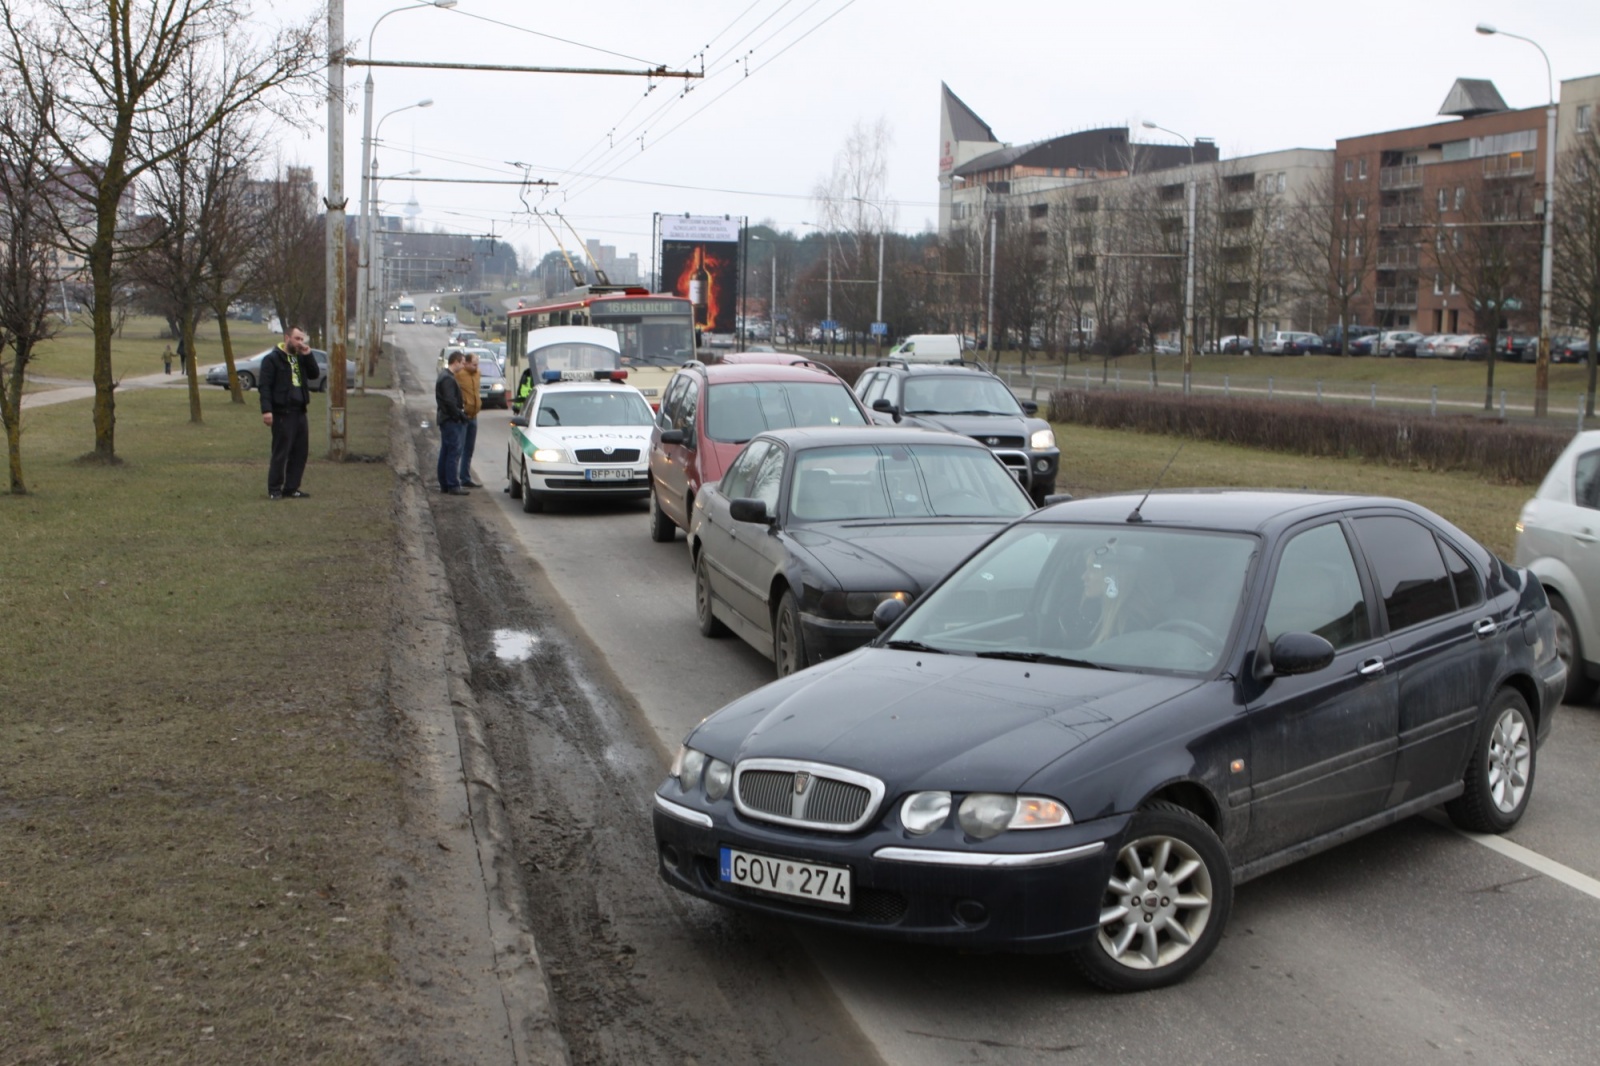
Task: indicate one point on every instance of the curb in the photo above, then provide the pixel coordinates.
(523, 988)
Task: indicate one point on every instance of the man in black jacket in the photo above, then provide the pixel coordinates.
(452, 419)
(285, 388)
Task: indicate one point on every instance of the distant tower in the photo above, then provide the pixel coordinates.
(412, 210)
(963, 136)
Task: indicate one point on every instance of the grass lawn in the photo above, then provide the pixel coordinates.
(136, 351)
(193, 788)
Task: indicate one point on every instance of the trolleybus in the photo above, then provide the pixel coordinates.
(655, 331)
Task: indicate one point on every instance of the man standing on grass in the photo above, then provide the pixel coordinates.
(285, 389)
(452, 419)
(469, 378)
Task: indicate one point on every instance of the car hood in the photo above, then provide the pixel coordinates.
(599, 436)
(978, 426)
(894, 556)
(920, 720)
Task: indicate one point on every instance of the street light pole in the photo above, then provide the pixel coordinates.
(1188, 259)
(878, 316)
(1541, 371)
(335, 236)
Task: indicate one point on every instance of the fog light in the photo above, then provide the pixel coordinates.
(971, 912)
(1042, 465)
(669, 855)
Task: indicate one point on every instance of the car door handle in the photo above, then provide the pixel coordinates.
(1585, 536)
(1485, 628)
(1370, 668)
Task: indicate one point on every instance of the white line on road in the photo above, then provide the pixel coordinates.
(1527, 857)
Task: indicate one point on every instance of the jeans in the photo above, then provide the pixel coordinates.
(450, 434)
(468, 440)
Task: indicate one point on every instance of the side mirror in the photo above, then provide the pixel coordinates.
(1057, 497)
(888, 612)
(745, 509)
(672, 436)
(883, 405)
(1030, 408)
(520, 420)
(1294, 653)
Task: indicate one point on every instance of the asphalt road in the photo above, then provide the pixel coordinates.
(1412, 945)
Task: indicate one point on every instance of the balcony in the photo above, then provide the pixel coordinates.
(1516, 165)
(1401, 215)
(1399, 257)
(1396, 299)
(1405, 177)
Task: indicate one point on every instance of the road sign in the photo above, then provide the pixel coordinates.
(829, 323)
(780, 317)
(880, 329)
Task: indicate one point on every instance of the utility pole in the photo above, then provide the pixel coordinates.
(994, 230)
(335, 258)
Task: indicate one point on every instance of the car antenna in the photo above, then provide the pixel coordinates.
(1134, 515)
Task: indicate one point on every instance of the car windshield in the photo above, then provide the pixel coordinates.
(738, 410)
(967, 394)
(570, 407)
(573, 356)
(488, 368)
(1114, 597)
(903, 481)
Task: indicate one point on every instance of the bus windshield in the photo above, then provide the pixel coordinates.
(573, 356)
(652, 341)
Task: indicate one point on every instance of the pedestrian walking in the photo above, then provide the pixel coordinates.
(469, 377)
(166, 360)
(183, 356)
(452, 418)
(285, 389)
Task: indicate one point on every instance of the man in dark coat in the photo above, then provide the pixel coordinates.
(452, 418)
(285, 388)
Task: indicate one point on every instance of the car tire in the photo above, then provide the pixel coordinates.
(247, 380)
(531, 504)
(1133, 956)
(710, 624)
(1499, 780)
(513, 481)
(1580, 687)
(788, 637)
(662, 529)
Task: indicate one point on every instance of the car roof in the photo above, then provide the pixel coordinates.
(546, 387)
(1236, 510)
(747, 372)
(802, 437)
(953, 367)
(543, 338)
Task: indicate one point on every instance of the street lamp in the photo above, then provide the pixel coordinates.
(877, 318)
(1188, 265)
(827, 247)
(1541, 373)
(366, 314)
(772, 301)
(367, 320)
(374, 293)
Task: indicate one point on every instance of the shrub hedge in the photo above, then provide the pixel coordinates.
(1505, 452)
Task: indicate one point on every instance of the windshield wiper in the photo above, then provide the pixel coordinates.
(1044, 657)
(914, 645)
(977, 412)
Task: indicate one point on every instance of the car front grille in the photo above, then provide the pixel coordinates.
(809, 795)
(616, 455)
(997, 441)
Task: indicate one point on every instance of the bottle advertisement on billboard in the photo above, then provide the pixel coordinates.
(700, 261)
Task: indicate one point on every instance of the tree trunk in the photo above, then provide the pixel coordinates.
(105, 404)
(192, 366)
(1594, 334)
(11, 408)
(1488, 388)
(235, 393)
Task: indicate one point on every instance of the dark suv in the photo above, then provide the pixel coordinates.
(708, 413)
(966, 398)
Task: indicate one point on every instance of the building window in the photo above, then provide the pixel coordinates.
(1360, 244)
(1444, 200)
(1438, 285)
(1363, 170)
(1038, 210)
(1349, 168)
(1361, 207)
(1584, 111)
(1461, 196)
(1283, 179)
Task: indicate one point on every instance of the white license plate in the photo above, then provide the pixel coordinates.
(609, 474)
(809, 881)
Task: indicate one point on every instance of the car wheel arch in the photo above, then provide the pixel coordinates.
(1193, 797)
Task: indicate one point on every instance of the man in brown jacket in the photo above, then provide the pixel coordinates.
(467, 377)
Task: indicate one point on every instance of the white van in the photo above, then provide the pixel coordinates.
(928, 348)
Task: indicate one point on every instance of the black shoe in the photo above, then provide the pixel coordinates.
(274, 495)
(298, 495)
(456, 491)
(472, 484)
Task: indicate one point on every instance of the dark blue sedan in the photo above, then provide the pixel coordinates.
(1113, 713)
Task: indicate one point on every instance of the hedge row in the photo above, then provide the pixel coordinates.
(1499, 451)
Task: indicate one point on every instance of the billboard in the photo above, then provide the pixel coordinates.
(700, 261)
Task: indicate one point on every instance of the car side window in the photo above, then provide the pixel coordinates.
(1462, 577)
(669, 402)
(891, 389)
(1410, 571)
(1586, 481)
(1317, 590)
(736, 482)
(688, 410)
(767, 478)
(869, 383)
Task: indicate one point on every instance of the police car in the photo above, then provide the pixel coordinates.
(580, 434)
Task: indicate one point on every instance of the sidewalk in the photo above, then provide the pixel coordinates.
(78, 389)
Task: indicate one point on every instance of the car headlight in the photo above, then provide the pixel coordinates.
(856, 605)
(687, 767)
(719, 775)
(497, 387)
(923, 812)
(549, 455)
(1042, 438)
(988, 814)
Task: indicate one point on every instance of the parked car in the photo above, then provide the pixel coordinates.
(1574, 350)
(1448, 346)
(249, 371)
(1475, 347)
(1236, 345)
(1517, 347)
(709, 413)
(810, 529)
(1556, 535)
(1363, 345)
(581, 435)
(1111, 714)
(1289, 342)
(1427, 347)
(1401, 342)
(492, 391)
(1166, 348)
(1331, 336)
(969, 400)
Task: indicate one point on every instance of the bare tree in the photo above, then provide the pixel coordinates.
(850, 200)
(102, 72)
(232, 228)
(1577, 242)
(29, 178)
(1491, 256)
(292, 267)
(1332, 246)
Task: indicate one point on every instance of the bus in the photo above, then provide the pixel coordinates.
(655, 331)
(408, 311)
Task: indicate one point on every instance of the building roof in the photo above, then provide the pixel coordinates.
(964, 124)
(1473, 96)
(1107, 149)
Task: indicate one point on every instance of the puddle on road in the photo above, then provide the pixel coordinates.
(514, 645)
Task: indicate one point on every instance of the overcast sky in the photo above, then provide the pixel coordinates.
(787, 79)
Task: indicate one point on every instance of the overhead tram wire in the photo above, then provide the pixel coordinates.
(553, 37)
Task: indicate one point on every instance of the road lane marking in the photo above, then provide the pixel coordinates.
(1527, 857)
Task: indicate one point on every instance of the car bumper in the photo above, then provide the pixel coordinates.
(1552, 688)
(1034, 471)
(829, 638)
(571, 480)
(1042, 898)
